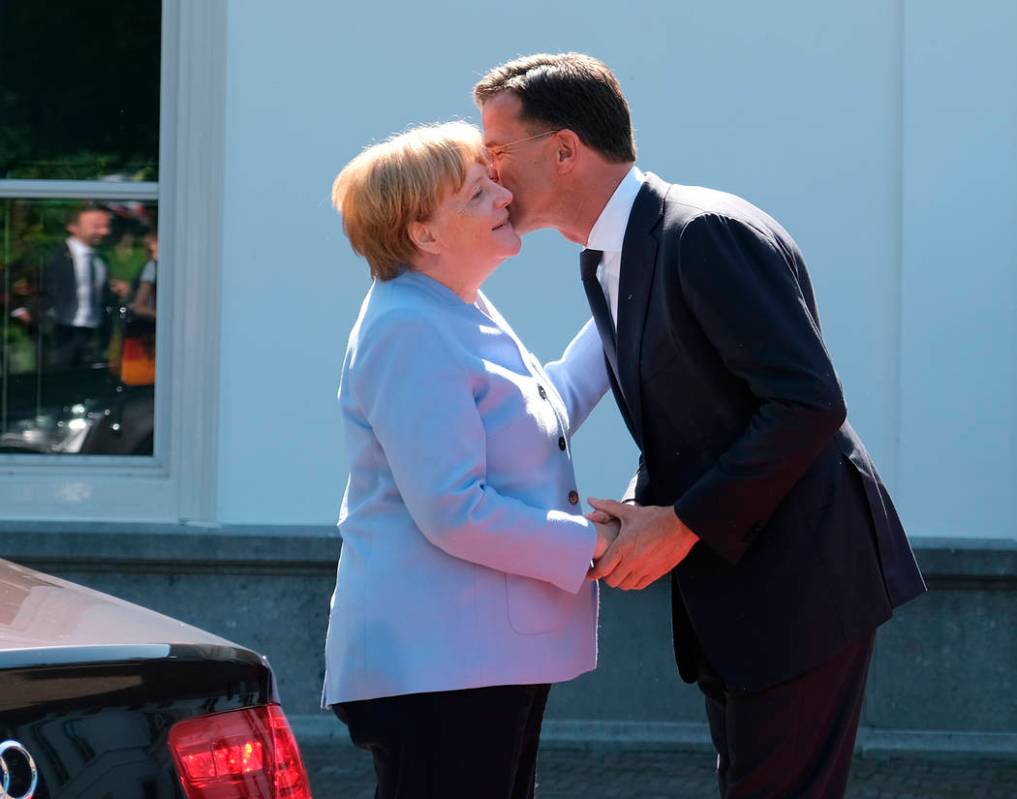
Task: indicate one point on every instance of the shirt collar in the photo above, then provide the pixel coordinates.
(608, 233)
(78, 248)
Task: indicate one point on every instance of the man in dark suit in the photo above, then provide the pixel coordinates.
(783, 547)
(77, 295)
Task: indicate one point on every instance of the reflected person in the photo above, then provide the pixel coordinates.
(137, 360)
(462, 588)
(143, 300)
(78, 298)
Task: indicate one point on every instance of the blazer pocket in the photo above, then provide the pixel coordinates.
(536, 607)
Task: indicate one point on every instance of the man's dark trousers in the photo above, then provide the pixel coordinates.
(795, 738)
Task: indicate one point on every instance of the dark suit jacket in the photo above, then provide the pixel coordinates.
(60, 293)
(725, 384)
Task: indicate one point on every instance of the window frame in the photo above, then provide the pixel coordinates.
(178, 482)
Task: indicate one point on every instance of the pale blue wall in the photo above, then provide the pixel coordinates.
(958, 461)
(881, 134)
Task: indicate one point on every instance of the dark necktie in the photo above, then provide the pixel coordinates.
(589, 260)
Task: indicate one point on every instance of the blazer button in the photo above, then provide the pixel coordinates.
(573, 497)
(561, 443)
(540, 390)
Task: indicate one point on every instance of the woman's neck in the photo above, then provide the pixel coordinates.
(463, 278)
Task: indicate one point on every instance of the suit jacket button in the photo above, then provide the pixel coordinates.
(573, 497)
(561, 443)
(540, 390)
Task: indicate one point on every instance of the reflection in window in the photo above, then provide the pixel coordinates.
(79, 326)
(79, 89)
(79, 108)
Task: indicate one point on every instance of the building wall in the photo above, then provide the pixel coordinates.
(942, 678)
(958, 316)
(881, 134)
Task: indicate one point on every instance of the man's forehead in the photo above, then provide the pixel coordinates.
(501, 116)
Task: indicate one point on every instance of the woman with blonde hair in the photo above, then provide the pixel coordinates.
(462, 588)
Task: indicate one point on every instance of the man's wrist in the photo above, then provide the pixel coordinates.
(686, 530)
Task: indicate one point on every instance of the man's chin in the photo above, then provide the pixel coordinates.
(523, 226)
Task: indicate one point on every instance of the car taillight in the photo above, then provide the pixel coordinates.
(240, 754)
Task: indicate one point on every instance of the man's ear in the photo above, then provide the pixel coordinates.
(566, 151)
(423, 237)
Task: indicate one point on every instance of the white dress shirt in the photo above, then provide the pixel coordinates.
(87, 314)
(608, 234)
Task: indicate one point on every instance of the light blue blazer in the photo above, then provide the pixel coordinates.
(464, 549)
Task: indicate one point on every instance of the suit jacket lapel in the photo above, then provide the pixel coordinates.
(638, 264)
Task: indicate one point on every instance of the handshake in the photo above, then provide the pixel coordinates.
(636, 544)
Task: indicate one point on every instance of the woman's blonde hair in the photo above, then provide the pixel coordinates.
(399, 181)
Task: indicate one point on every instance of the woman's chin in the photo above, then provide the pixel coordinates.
(513, 244)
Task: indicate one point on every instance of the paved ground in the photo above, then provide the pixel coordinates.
(341, 772)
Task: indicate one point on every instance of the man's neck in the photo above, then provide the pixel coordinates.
(585, 202)
(79, 244)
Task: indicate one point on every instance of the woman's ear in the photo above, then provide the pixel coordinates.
(423, 237)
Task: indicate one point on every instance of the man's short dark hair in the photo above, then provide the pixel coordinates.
(74, 214)
(567, 90)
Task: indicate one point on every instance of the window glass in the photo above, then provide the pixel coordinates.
(79, 89)
(79, 104)
(77, 361)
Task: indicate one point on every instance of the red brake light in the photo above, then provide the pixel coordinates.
(240, 754)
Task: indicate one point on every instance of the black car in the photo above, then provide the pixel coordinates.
(102, 699)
